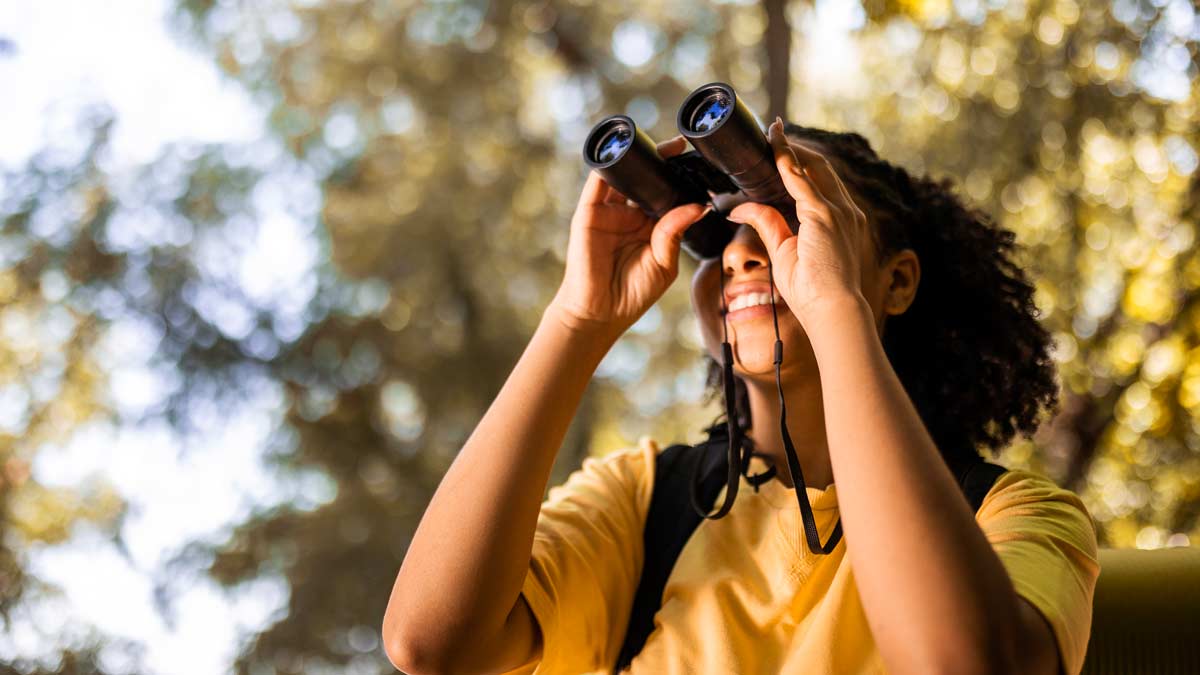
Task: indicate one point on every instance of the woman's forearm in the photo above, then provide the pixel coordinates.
(935, 593)
(466, 563)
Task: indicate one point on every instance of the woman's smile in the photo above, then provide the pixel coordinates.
(755, 311)
(751, 299)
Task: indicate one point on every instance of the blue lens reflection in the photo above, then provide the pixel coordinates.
(711, 112)
(614, 144)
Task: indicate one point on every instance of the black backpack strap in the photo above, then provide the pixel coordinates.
(669, 524)
(976, 480)
(671, 521)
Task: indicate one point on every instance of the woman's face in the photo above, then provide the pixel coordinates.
(751, 330)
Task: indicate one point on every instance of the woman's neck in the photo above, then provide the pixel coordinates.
(805, 423)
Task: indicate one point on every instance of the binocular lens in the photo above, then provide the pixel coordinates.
(609, 140)
(710, 112)
(614, 144)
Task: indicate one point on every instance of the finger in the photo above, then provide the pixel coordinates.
(828, 180)
(820, 171)
(595, 190)
(817, 167)
(672, 147)
(615, 196)
(799, 184)
(667, 236)
(772, 229)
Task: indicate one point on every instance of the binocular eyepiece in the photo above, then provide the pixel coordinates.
(732, 157)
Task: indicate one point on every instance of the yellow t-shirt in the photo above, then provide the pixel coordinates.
(746, 595)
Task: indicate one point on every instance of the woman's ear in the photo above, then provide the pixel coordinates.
(900, 276)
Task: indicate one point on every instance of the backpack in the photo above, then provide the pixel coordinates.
(671, 521)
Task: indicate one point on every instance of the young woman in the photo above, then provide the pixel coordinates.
(910, 337)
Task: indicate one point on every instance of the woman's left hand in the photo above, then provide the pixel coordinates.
(822, 262)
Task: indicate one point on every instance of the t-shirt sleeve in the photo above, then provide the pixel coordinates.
(587, 559)
(1045, 537)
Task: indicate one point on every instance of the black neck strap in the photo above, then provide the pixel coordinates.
(738, 457)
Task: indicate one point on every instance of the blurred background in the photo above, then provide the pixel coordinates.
(264, 264)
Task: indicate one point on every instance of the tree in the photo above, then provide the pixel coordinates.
(445, 141)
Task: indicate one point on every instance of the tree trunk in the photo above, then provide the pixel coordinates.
(779, 48)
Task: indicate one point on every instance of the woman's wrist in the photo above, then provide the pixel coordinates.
(592, 338)
(580, 327)
(834, 316)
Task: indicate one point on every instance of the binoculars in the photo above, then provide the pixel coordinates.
(733, 162)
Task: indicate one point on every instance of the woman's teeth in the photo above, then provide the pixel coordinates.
(752, 300)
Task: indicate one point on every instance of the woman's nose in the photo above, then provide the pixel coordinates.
(744, 253)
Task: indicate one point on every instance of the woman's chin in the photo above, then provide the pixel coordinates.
(754, 352)
(764, 371)
(755, 357)
(752, 337)
(761, 330)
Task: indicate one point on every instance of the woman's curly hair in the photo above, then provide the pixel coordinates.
(969, 350)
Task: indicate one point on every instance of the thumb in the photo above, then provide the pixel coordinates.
(668, 233)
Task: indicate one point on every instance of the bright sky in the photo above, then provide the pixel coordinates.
(116, 51)
(69, 53)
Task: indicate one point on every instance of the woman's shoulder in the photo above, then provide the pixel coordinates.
(1046, 540)
(1026, 486)
(1028, 501)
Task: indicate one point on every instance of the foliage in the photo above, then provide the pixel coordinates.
(445, 137)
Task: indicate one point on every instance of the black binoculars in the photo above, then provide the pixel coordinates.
(733, 163)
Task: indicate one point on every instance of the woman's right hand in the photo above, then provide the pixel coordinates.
(619, 260)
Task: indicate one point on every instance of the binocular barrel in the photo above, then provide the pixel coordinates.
(628, 160)
(722, 129)
(726, 135)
